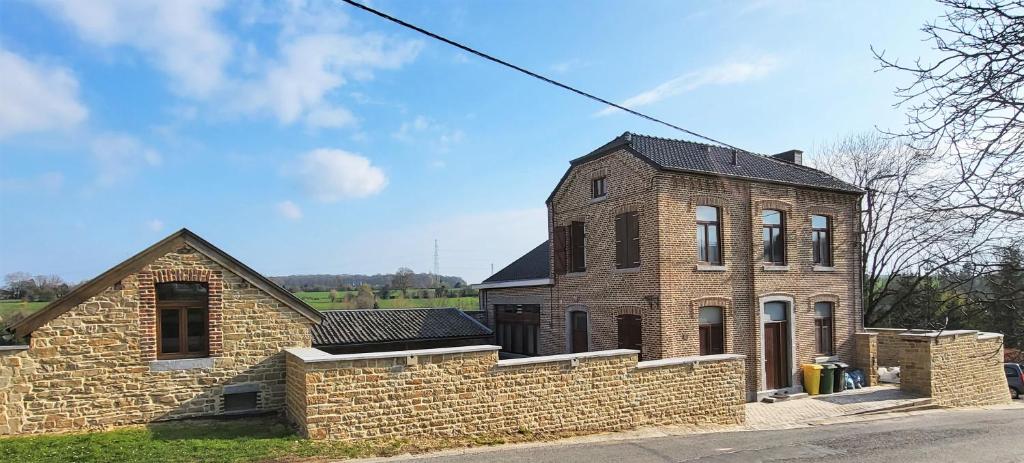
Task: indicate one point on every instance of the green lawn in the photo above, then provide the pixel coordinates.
(8, 308)
(238, 440)
(262, 439)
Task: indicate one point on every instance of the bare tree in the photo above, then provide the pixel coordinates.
(402, 280)
(966, 108)
(905, 243)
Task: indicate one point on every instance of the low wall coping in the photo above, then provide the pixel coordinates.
(865, 333)
(937, 334)
(566, 357)
(13, 348)
(692, 360)
(986, 336)
(314, 355)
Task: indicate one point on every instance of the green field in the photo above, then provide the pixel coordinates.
(322, 301)
(318, 300)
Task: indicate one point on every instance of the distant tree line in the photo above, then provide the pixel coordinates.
(402, 279)
(24, 287)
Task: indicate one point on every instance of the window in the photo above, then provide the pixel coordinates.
(516, 327)
(774, 241)
(182, 320)
(821, 241)
(627, 240)
(578, 247)
(631, 333)
(712, 334)
(597, 189)
(823, 327)
(708, 235)
(579, 336)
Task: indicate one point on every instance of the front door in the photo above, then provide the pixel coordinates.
(630, 333)
(775, 343)
(579, 337)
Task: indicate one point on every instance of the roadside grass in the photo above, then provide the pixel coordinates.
(251, 439)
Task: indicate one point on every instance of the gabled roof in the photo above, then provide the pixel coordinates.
(533, 265)
(687, 156)
(348, 327)
(135, 263)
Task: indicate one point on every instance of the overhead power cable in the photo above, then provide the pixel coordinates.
(531, 73)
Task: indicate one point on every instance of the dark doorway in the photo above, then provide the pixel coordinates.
(578, 332)
(630, 333)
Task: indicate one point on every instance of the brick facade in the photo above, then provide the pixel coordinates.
(94, 366)
(438, 392)
(670, 287)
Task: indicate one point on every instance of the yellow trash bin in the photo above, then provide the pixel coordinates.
(812, 378)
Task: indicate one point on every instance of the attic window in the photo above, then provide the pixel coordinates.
(183, 321)
(597, 188)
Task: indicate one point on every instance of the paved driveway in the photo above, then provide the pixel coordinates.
(799, 412)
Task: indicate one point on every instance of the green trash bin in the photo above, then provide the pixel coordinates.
(840, 378)
(828, 374)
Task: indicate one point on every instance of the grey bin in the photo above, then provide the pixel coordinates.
(840, 377)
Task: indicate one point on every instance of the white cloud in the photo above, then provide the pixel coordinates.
(310, 67)
(36, 97)
(50, 182)
(118, 157)
(155, 225)
(180, 37)
(423, 130)
(331, 175)
(289, 210)
(568, 65)
(734, 72)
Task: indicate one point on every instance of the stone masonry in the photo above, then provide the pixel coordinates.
(95, 366)
(669, 287)
(467, 391)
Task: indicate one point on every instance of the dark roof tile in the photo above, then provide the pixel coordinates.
(345, 327)
(533, 265)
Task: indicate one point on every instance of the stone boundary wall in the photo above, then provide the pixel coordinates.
(957, 368)
(467, 391)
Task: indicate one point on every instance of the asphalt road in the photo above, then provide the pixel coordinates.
(989, 436)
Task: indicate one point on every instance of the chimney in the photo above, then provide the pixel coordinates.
(793, 156)
(734, 160)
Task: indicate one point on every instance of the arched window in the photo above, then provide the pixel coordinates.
(712, 332)
(709, 235)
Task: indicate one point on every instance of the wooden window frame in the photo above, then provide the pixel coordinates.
(702, 231)
(627, 240)
(183, 307)
(769, 250)
(571, 315)
(599, 187)
(821, 242)
(823, 325)
(707, 331)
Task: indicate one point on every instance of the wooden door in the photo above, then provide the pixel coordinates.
(630, 333)
(775, 345)
(578, 332)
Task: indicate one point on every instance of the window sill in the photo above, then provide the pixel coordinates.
(823, 268)
(626, 270)
(775, 268)
(711, 268)
(598, 199)
(205, 363)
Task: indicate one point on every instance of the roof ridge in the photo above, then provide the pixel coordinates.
(686, 141)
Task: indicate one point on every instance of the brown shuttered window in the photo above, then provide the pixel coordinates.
(559, 251)
(577, 247)
(627, 240)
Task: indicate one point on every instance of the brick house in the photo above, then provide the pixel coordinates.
(679, 248)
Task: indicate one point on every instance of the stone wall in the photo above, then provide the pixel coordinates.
(890, 344)
(467, 391)
(95, 367)
(954, 368)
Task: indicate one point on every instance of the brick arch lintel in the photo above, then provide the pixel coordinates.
(629, 310)
(773, 204)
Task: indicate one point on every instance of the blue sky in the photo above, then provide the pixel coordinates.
(309, 137)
